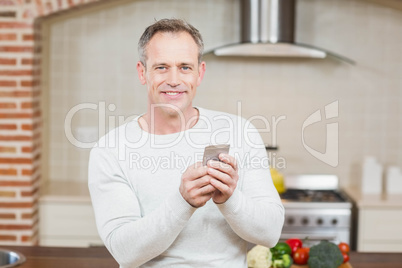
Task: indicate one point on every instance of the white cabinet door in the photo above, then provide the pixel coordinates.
(67, 224)
(380, 230)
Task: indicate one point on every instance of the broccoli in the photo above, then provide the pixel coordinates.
(325, 255)
(285, 262)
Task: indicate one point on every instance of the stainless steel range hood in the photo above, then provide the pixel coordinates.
(268, 28)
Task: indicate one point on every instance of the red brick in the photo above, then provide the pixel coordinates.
(7, 149)
(29, 193)
(27, 172)
(15, 161)
(29, 126)
(8, 172)
(27, 216)
(8, 238)
(27, 61)
(28, 37)
(15, 94)
(7, 61)
(27, 149)
(30, 83)
(8, 37)
(16, 49)
(7, 194)
(7, 216)
(15, 183)
(15, 115)
(30, 105)
(7, 105)
(16, 72)
(27, 238)
(8, 126)
(26, 83)
(15, 138)
(14, 226)
(14, 25)
(8, 83)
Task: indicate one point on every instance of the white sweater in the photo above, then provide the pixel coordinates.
(144, 221)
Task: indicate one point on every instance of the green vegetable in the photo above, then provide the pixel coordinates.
(325, 255)
(285, 262)
(279, 250)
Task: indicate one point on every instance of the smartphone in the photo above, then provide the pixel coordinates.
(212, 152)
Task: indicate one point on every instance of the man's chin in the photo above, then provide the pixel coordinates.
(170, 109)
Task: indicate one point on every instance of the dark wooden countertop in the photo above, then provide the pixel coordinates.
(99, 257)
(57, 257)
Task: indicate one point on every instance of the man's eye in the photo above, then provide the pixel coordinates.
(185, 68)
(161, 68)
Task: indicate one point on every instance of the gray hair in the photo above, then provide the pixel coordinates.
(169, 25)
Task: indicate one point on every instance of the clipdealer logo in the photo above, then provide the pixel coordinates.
(331, 154)
(85, 137)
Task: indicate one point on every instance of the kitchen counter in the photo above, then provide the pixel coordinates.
(58, 257)
(99, 257)
(379, 221)
(374, 200)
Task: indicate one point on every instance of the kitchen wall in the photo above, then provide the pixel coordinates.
(92, 57)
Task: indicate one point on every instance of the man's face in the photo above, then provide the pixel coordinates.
(172, 73)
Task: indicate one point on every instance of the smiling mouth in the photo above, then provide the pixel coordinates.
(172, 93)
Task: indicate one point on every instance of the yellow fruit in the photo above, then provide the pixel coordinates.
(278, 180)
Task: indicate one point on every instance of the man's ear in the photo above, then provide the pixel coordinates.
(141, 72)
(201, 72)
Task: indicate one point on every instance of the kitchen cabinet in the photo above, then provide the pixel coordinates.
(67, 217)
(379, 221)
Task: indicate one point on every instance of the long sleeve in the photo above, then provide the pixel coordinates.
(131, 238)
(254, 211)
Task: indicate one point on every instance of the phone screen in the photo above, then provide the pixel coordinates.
(212, 152)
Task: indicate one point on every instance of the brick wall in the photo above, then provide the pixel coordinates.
(20, 115)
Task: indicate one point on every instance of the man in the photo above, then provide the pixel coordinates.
(156, 204)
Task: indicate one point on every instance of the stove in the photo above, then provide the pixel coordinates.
(316, 209)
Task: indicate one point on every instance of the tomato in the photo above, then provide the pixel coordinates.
(294, 244)
(345, 257)
(344, 247)
(301, 256)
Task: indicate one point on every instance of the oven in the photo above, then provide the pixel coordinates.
(316, 209)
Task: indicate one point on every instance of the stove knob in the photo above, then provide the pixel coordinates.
(290, 221)
(320, 221)
(334, 221)
(304, 221)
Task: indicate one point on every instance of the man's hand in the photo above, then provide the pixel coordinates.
(225, 177)
(195, 185)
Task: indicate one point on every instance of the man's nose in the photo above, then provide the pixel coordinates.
(173, 79)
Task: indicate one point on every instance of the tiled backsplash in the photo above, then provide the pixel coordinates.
(92, 58)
